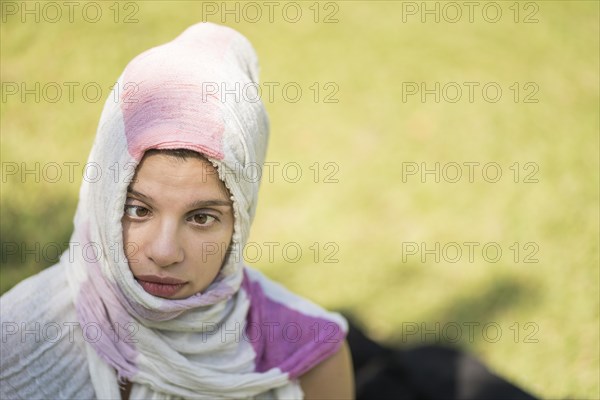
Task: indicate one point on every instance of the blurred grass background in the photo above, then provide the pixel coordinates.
(369, 133)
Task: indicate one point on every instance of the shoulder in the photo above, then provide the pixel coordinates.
(296, 335)
(333, 378)
(41, 298)
(39, 340)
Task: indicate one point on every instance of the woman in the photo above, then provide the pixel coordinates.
(153, 300)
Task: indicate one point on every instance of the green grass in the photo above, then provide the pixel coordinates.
(369, 133)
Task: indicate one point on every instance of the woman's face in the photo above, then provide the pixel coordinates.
(177, 225)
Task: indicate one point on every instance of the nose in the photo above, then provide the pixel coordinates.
(165, 247)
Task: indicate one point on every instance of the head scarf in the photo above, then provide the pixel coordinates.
(244, 336)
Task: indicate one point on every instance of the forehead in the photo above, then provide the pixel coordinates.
(168, 176)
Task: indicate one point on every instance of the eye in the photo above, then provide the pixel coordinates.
(202, 219)
(136, 211)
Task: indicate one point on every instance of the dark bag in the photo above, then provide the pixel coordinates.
(423, 373)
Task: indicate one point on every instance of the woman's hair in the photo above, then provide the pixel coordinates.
(181, 154)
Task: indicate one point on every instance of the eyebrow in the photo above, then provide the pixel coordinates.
(194, 204)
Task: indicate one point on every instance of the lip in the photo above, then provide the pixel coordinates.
(165, 280)
(161, 286)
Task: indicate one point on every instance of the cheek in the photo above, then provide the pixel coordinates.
(226, 241)
(131, 244)
(209, 250)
